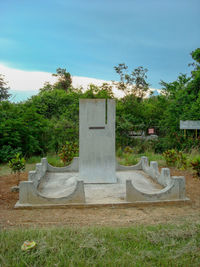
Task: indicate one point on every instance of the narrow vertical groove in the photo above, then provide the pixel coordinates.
(106, 113)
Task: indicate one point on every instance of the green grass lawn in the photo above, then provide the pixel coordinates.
(161, 245)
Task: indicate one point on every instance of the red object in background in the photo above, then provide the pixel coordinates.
(151, 131)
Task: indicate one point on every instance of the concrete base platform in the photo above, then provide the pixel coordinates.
(178, 202)
(57, 185)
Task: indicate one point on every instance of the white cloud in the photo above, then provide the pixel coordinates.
(20, 80)
(32, 81)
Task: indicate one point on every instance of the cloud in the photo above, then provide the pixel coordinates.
(20, 80)
(31, 81)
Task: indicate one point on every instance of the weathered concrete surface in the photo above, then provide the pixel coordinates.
(97, 141)
(116, 193)
(28, 194)
(58, 184)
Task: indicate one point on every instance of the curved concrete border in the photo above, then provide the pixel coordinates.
(174, 191)
(138, 166)
(73, 167)
(28, 194)
(174, 187)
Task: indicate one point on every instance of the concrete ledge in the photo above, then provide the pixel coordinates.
(28, 195)
(136, 204)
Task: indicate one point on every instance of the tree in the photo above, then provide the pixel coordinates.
(134, 83)
(4, 95)
(64, 79)
(103, 91)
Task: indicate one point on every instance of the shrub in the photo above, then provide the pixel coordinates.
(119, 152)
(170, 157)
(128, 160)
(196, 166)
(181, 161)
(68, 152)
(175, 158)
(7, 153)
(17, 165)
(128, 149)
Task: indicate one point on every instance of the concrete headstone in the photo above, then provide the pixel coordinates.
(97, 141)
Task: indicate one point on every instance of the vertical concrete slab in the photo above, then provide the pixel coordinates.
(97, 141)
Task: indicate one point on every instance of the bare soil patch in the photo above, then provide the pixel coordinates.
(107, 216)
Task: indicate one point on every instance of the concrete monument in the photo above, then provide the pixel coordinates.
(97, 141)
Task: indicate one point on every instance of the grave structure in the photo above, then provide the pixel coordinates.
(95, 177)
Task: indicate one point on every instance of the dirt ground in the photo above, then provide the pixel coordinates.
(104, 216)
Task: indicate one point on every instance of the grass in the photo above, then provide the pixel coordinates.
(161, 245)
(132, 159)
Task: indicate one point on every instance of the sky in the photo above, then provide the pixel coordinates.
(90, 37)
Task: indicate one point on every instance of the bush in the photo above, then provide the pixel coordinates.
(196, 166)
(17, 165)
(170, 157)
(7, 153)
(119, 152)
(128, 149)
(175, 158)
(68, 152)
(181, 161)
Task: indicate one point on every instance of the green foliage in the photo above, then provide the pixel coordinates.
(196, 166)
(170, 157)
(6, 153)
(134, 83)
(17, 165)
(181, 161)
(4, 95)
(128, 149)
(175, 158)
(68, 152)
(128, 159)
(45, 121)
(64, 81)
(183, 97)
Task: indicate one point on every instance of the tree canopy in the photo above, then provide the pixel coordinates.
(46, 121)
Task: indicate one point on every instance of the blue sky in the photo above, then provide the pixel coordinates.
(90, 37)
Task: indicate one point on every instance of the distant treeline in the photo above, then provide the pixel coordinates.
(46, 121)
